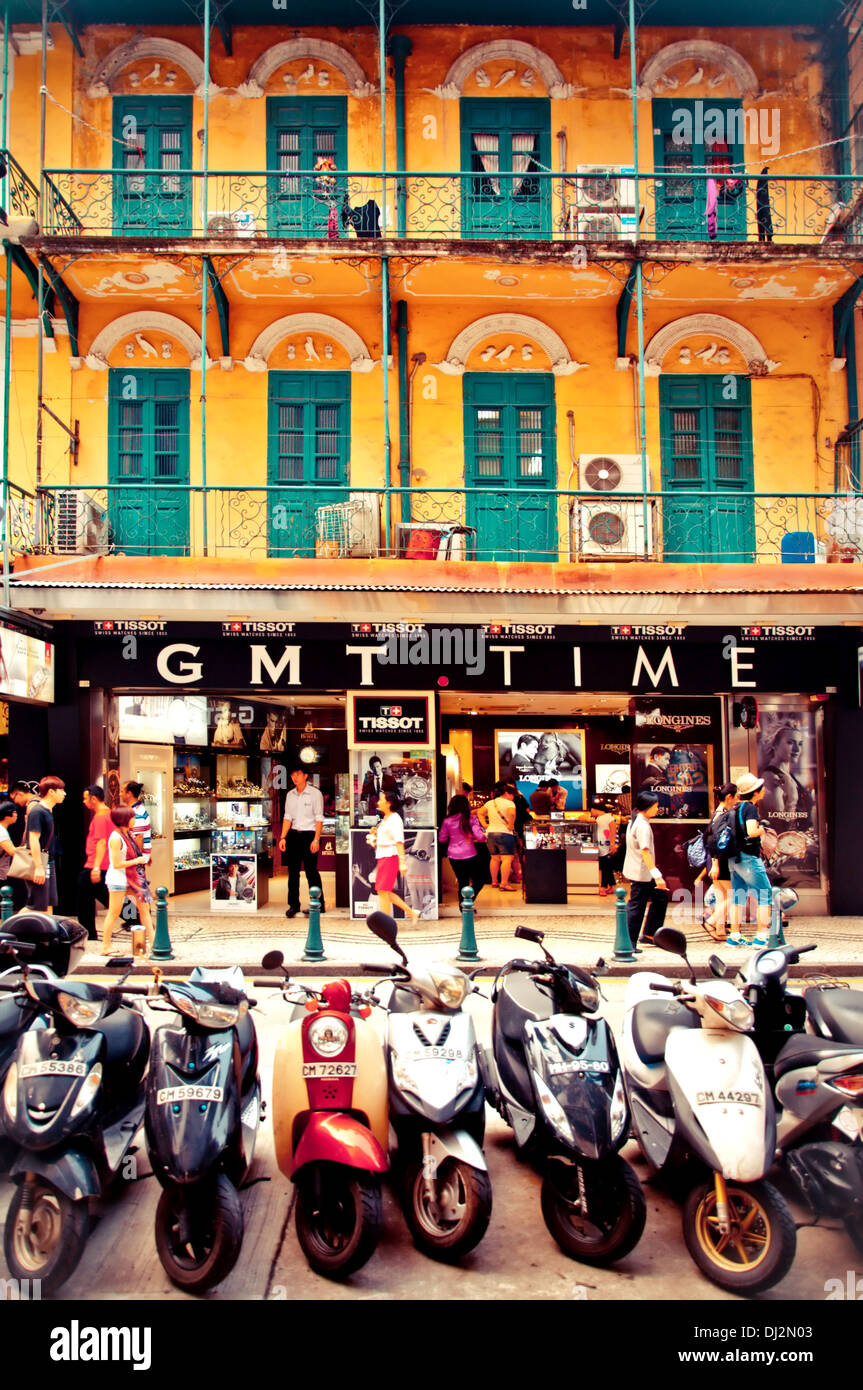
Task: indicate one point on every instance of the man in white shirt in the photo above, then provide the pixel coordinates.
(302, 824)
(648, 891)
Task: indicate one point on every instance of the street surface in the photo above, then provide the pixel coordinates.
(517, 1259)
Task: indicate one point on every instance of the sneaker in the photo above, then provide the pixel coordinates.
(760, 941)
(735, 939)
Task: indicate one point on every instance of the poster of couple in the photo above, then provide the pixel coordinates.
(528, 757)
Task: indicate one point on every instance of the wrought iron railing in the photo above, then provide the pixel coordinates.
(672, 206)
(20, 194)
(846, 469)
(23, 521)
(501, 523)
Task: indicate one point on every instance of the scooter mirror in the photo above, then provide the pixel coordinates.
(717, 967)
(528, 934)
(672, 940)
(788, 898)
(386, 928)
(273, 960)
(120, 963)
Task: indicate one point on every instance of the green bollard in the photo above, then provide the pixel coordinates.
(6, 903)
(776, 936)
(162, 942)
(314, 948)
(467, 948)
(622, 944)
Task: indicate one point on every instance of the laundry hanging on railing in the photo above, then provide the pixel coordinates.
(365, 220)
(763, 214)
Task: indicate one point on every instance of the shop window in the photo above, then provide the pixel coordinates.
(699, 139)
(707, 468)
(509, 464)
(148, 461)
(153, 137)
(307, 144)
(308, 448)
(506, 158)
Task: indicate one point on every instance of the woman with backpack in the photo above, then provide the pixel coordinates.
(720, 844)
(748, 874)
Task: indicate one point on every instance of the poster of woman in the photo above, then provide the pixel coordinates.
(530, 756)
(417, 886)
(787, 760)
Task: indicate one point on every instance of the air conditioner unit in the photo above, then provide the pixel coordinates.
(600, 187)
(80, 525)
(238, 223)
(349, 529)
(598, 226)
(613, 526)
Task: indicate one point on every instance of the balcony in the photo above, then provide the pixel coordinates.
(19, 196)
(793, 209)
(528, 525)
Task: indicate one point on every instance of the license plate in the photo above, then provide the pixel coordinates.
(321, 1070)
(170, 1094)
(53, 1069)
(433, 1054)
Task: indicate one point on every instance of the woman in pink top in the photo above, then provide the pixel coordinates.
(459, 835)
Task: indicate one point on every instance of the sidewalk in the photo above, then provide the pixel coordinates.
(580, 938)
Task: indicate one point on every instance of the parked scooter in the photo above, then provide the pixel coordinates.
(203, 1110)
(330, 1121)
(554, 1076)
(437, 1104)
(817, 1085)
(72, 1103)
(698, 1090)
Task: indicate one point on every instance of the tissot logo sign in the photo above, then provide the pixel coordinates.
(537, 632)
(267, 629)
(783, 632)
(637, 632)
(385, 629)
(117, 627)
(381, 720)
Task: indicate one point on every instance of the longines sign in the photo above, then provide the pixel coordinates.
(635, 659)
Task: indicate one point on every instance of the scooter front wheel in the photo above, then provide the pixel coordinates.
(758, 1248)
(45, 1235)
(339, 1215)
(199, 1232)
(595, 1211)
(453, 1219)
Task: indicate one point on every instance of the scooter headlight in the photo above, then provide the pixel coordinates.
(207, 1012)
(88, 1091)
(328, 1036)
(618, 1109)
(736, 1012)
(553, 1110)
(82, 1013)
(452, 990)
(10, 1092)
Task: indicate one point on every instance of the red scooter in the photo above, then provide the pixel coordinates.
(330, 1121)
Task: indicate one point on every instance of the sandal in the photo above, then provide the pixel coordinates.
(712, 934)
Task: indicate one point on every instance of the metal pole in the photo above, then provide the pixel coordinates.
(4, 122)
(639, 288)
(7, 377)
(382, 63)
(40, 305)
(385, 270)
(314, 948)
(467, 949)
(205, 152)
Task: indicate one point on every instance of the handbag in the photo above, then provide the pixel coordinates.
(22, 865)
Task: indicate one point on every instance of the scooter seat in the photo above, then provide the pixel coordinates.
(123, 1032)
(11, 1017)
(806, 1051)
(653, 1020)
(838, 1013)
(521, 999)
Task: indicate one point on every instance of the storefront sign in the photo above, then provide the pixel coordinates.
(26, 667)
(390, 720)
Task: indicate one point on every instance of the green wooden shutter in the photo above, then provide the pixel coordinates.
(146, 202)
(148, 460)
(505, 145)
(308, 454)
(300, 131)
(681, 201)
(509, 430)
(706, 442)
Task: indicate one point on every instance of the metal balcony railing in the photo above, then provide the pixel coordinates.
(846, 470)
(20, 196)
(674, 206)
(525, 523)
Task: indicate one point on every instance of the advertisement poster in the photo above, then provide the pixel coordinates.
(409, 777)
(787, 760)
(388, 719)
(528, 757)
(233, 882)
(681, 775)
(417, 886)
(610, 778)
(26, 666)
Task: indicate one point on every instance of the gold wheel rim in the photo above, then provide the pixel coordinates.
(35, 1250)
(745, 1245)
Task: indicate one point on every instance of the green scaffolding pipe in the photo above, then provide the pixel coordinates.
(205, 154)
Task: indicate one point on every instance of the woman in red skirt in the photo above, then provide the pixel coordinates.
(388, 839)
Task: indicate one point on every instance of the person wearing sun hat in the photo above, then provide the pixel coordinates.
(748, 874)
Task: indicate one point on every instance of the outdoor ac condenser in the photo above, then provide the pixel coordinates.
(238, 223)
(613, 526)
(80, 525)
(601, 188)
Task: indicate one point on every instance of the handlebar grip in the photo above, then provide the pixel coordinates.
(801, 950)
(379, 970)
(664, 989)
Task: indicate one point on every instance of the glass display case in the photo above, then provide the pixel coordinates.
(561, 858)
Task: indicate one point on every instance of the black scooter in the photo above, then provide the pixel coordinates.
(72, 1103)
(203, 1110)
(554, 1076)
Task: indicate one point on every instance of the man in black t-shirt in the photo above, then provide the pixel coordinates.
(38, 835)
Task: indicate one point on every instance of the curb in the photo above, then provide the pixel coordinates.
(337, 968)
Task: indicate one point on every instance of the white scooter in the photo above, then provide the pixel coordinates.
(698, 1090)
